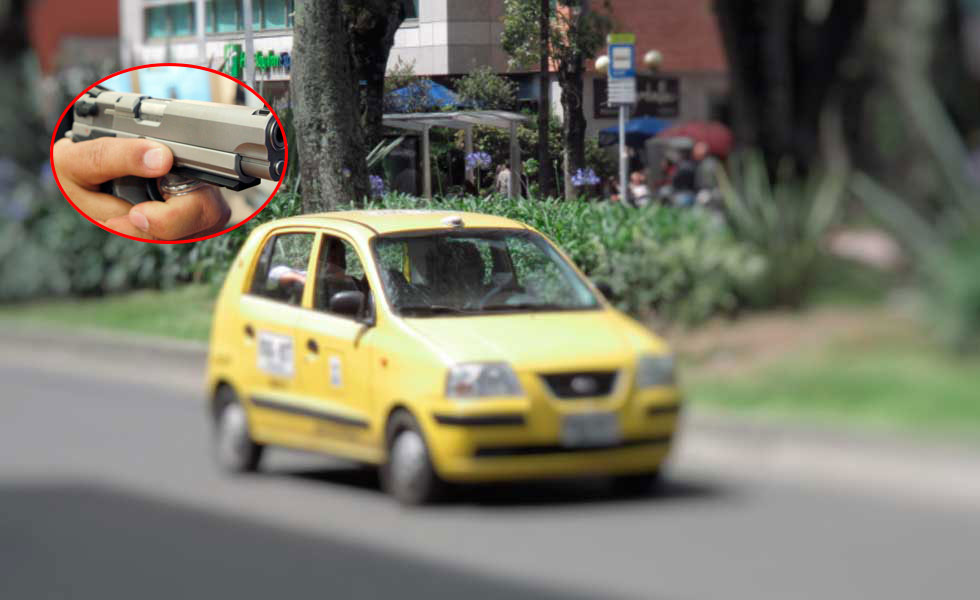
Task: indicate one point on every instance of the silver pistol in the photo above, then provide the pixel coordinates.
(224, 144)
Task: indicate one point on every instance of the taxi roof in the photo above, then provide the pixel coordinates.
(393, 220)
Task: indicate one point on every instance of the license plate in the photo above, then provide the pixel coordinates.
(590, 429)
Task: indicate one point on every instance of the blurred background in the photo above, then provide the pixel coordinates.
(817, 273)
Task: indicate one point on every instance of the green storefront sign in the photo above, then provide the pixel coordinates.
(234, 63)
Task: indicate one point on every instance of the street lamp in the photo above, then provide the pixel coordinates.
(602, 64)
(653, 59)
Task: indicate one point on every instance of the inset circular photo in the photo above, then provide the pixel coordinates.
(169, 153)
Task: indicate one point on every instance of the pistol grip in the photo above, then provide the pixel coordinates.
(133, 189)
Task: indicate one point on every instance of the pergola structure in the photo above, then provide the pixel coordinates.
(465, 120)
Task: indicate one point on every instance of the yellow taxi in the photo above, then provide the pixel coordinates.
(440, 346)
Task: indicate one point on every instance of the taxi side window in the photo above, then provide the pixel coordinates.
(338, 269)
(281, 271)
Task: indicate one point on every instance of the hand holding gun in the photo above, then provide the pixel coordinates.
(132, 149)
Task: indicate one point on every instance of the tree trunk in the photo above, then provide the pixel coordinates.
(330, 136)
(23, 140)
(572, 86)
(784, 60)
(546, 174)
(372, 36)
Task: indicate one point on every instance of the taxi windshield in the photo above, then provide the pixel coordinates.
(477, 272)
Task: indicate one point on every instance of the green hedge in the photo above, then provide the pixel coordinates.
(682, 263)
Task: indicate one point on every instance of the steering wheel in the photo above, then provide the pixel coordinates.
(496, 289)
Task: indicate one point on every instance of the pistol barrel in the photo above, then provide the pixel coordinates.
(229, 145)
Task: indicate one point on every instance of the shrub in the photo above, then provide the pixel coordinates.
(681, 263)
(784, 222)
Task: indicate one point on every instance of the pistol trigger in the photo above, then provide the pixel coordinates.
(133, 189)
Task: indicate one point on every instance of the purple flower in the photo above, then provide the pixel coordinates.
(584, 177)
(478, 160)
(378, 187)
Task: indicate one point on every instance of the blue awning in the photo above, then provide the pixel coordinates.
(420, 96)
(638, 130)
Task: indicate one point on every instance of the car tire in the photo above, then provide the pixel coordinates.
(234, 449)
(408, 474)
(636, 484)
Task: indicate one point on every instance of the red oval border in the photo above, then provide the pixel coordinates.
(226, 76)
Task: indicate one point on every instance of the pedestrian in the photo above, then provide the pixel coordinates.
(612, 189)
(683, 184)
(638, 188)
(502, 181)
(706, 175)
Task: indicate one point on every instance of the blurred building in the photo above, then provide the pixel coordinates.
(74, 44)
(444, 39)
(63, 35)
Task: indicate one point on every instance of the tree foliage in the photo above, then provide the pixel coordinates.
(483, 89)
(576, 34)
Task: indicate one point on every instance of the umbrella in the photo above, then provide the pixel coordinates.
(637, 131)
(718, 137)
(420, 96)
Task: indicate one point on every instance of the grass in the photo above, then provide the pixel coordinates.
(893, 382)
(183, 312)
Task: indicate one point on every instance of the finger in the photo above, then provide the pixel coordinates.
(200, 212)
(93, 162)
(95, 205)
(122, 225)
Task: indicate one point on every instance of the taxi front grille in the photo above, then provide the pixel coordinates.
(586, 384)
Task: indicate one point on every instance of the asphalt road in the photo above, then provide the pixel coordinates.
(107, 490)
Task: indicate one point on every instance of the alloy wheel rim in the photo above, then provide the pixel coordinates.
(232, 438)
(408, 459)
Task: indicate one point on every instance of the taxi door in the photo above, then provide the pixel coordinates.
(336, 350)
(269, 309)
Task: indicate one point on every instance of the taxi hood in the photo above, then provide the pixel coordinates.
(532, 341)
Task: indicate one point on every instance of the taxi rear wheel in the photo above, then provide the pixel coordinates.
(233, 446)
(408, 474)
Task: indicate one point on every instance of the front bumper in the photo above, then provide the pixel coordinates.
(491, 440)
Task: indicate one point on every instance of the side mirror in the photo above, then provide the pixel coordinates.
(349, 304)
(605, 289)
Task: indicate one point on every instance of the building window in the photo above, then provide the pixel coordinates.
(183, 15)
(270, 14)
(227, 16)
(169, 20)
(411, 9)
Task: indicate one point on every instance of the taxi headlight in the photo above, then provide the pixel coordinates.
(475, 380)
(653, 371)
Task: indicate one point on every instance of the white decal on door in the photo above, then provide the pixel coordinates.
(275, 354)
(335, 371)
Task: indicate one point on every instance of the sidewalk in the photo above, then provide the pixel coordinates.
(876, 463)
(882, 464)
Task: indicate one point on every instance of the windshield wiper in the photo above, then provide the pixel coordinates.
(432, 309)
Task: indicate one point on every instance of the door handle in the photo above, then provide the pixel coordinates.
(249, 332)
(311, 345)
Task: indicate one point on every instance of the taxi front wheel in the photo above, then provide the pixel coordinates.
(408, 474)
(234, 449)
